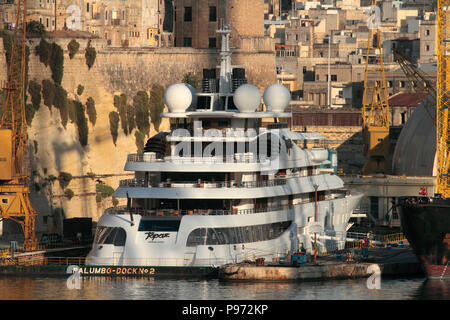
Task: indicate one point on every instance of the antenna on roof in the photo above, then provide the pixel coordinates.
(225, 57)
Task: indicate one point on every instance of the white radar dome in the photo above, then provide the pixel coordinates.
(276, 97)
(247, 98)
(178, 97)
(194, 94)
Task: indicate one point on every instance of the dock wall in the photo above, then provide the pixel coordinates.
(314, 272)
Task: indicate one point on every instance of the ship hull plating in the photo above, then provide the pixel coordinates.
(426, 224)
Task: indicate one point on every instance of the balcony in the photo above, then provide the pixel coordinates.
(183, 212)
(202, 184)
(236, 158)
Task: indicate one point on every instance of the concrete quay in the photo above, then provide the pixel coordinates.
(391, 262)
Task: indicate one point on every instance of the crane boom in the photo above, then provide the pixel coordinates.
(443, 100)
(419, 83)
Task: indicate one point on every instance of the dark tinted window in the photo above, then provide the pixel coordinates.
(262, 232)
(110, 235)
(159, 225)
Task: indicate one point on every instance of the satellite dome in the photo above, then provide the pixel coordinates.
(276, 98)
(178, 97)
(194, 94)
(247, 98)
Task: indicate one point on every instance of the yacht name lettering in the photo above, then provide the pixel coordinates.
(153, 235)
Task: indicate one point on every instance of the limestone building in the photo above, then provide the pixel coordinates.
(196, 21)
(121, 23)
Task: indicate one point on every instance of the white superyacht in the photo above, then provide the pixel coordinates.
(228, 183)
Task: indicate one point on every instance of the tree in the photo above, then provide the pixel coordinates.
(141, 106)
(82, 125)
(48, 92)
(57, 63)
(64, 179)
(34, 89)
(156, 104)
(60, 102)
(90, 109)
(114, 125)
(120, 102)
(73, 47)
(90, 56)
(36, 28)
(191, 79)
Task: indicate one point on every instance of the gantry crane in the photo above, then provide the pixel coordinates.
(375, 108)
(443, 99)
(14, 177)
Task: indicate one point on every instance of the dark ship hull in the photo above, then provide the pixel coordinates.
(426, 224)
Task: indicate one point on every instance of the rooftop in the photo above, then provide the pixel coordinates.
(407, 99)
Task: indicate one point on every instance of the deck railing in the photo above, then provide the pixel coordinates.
(182, 212)
(236, 158)
(203, 184)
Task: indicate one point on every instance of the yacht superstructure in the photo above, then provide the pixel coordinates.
(227, 183)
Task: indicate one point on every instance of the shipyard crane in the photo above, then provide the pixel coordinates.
(419, 83)
(375, 107)
(443, 99)
(14, 176)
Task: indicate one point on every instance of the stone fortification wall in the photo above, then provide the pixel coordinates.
(347, 141)
(56, 149)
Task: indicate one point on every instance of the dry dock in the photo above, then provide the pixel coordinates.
(391, 262)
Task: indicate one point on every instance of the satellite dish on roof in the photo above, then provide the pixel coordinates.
(276, 97)
(178, 97)
(247, 98)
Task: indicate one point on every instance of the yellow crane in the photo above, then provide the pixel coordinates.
(375, 107)
(419, 83)
(443, 99)
(14, 176)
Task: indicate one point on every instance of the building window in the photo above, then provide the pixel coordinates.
(212, 43)
(427, 48)
(106, 14)
(212, 14)
(87, 7)
(333, 77)
(427, 32)
(187, 13)
(47, 23)
(187, 42)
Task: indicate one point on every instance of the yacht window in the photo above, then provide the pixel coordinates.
(231, 105)
(110, 235)
(203, 102)
(159, 225)
(236, 235)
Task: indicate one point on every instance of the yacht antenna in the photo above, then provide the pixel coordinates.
(225, 61)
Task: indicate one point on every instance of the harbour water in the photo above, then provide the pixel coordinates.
(98, 288)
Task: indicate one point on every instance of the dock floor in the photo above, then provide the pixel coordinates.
(391, 262)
